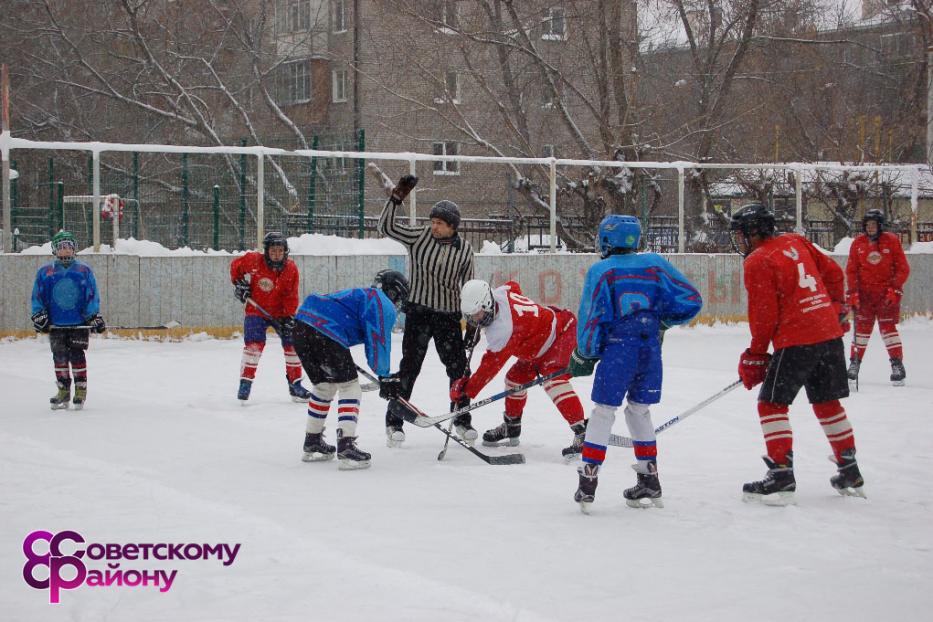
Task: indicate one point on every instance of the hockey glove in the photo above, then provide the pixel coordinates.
(458, 389)
(390, 387)
(287, 325)
(96, 323)
(844, 323)
(852, 300)
(241, 290)
(405, 185)
(892, 297)
(40, 321)
(581, 365)
(753, 368)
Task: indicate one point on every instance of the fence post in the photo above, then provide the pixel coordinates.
(216, 208)
(95, 192)
(240, 242)
(798, 198)
(60, 207)
(553, 202)
(914, 203)
(14, 196)
(413, 197)
(185, 196)
(361, 182)
(136, 193)
(260, 198)
(644, 215)
(681, 242)
(51, 197)
(312, 187)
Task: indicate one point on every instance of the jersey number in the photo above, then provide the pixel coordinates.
(804, 280)
(525, 305)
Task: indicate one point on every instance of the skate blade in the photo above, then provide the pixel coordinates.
(644, 503)
(852, 492)
(505, 443)
(897, 383)
(298, 400)
(853, 385)
(392, 444)
(568, 458)
(353, 465)
(79, 406)
(62, 406)
(776, 499)
(316, 456)
(586, 506)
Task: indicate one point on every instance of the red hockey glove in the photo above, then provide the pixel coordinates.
(892, 297)
(852, 300)
(753, 368)
(405, 185)
(458, 389)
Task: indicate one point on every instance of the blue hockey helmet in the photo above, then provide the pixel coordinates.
(618, 231)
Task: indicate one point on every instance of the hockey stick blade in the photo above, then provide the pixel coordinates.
(506, 459)
(623, 441)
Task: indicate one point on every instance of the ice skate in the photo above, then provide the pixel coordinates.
(466, 432)
(576, 445)
(395, 436)
(777, 487)
(245, 387)
(316, 449)
(848, 481)
(349, 455)
(852, 373)
(298, 393)
(646, 492)
(898, 373)
(59, 401)
(80, 395)
(505, 434)
(586, 489)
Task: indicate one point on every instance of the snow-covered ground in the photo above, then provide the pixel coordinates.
(165, 453)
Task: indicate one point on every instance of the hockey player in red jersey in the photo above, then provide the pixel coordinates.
(876, 272)
(541, 338)
(795, 302)
(273, 285)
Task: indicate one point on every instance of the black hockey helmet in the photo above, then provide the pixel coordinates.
(448, 212)
(274, 238)
(393, 284)
(878, 216)
(749, 220)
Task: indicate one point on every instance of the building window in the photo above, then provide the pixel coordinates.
(339, 85)
(340, 15)
(294, 83)
(451, 94)
(555, 25)
(442, 167)
(448, 15)
(296, 16)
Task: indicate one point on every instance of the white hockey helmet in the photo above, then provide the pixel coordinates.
(477, 304)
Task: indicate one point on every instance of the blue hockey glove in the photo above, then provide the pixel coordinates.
(581, 365)
(40, 321)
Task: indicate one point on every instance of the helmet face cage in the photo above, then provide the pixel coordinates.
(274, 238)
(394, 285)
(63, 240)
(752, 219)
(477, 304)
(617, 231)
(877, 216)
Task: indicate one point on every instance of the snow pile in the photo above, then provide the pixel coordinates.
(921, 247)
(842, 248)
(490, 248)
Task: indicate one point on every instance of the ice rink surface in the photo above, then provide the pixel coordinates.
(163, 452)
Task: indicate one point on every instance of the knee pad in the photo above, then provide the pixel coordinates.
(324, 391)
(638, 419)
(350, 390)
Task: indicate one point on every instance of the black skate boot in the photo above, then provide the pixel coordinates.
(778, 485)
(59, 401)
(506, 433)
(854, 365)
(246, 386)
(349, 455)
(848, 481)
(897, 372)
(586, 489)
(316, 449)
(576, 446)
(298, 393)
(465, 430)
(80, 395)
(646, 492)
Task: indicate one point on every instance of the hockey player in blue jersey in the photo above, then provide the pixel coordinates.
(327, 326)
(628, 299)
(65, 303)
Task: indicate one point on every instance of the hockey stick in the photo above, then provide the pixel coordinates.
(450, 426)
(624, 441)
(506, 459)
(420, 419)
(166, 326)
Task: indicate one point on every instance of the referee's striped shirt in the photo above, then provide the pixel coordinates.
(437, 270)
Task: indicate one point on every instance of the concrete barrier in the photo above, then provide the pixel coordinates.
(195, 291)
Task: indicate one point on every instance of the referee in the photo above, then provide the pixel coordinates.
(441, 261)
